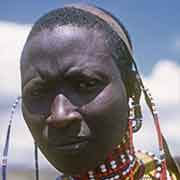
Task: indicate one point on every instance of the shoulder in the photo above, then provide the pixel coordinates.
(152, 166)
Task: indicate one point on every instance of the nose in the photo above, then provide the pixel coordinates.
(63, 112)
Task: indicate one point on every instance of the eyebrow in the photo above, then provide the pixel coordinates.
(33, 81)
(95, 73)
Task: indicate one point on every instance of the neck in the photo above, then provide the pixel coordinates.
(120, 164)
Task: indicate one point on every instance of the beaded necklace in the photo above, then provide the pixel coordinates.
(119, 164)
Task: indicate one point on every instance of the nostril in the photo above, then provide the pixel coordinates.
(53, 121)
(63, 121)
(75, 116)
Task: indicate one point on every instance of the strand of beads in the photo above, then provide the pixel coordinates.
(151, 104)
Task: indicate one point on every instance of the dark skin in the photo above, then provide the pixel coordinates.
(74, 100)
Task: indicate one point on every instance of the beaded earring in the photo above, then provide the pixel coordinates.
(134, 100)
(151, 105)
(136, 116)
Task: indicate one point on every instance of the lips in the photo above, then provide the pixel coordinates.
(71, 144)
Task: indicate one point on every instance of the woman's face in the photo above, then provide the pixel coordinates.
(74, 100)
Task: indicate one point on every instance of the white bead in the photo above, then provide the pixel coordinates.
(133, 123)
(131, 165)
(161, 153)
(103, 170)
(123, 160)
(158, 161)
(114, 166)
(155, 158)
(158, 175)
(130, 157)
(90, 172)
(92, 178)
(128, 169)
(159, 169)
(111, 178)
(113, 162)
(153, 101)
(102, 166)
(150, 153)
(123, 173)
(116, 177)
(156, 112)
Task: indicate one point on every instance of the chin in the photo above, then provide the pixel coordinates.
(76, 164)
(75, 168)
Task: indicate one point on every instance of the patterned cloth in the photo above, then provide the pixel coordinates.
(152, 169)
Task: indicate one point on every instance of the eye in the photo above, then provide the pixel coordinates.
(37, 100)
(37, 92)
(87, 85)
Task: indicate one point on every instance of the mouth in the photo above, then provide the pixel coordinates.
(70, 145)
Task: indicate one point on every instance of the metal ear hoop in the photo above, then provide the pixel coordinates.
(6, 147)
(7, 142)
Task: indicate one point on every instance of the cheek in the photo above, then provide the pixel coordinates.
(109, 99)
(35, 123)
(109, 109)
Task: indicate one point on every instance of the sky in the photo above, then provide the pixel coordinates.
(155, 32)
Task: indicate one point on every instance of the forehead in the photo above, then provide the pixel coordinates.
(67, 46)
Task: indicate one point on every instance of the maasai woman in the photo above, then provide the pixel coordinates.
(81, 98)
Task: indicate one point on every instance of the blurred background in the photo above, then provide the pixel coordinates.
(155, 32)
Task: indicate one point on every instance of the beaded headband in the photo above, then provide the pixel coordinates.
(107, 18)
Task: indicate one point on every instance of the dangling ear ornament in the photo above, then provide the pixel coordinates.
(7, 142)
(6, 147)
(137, 120)
(135, 107)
